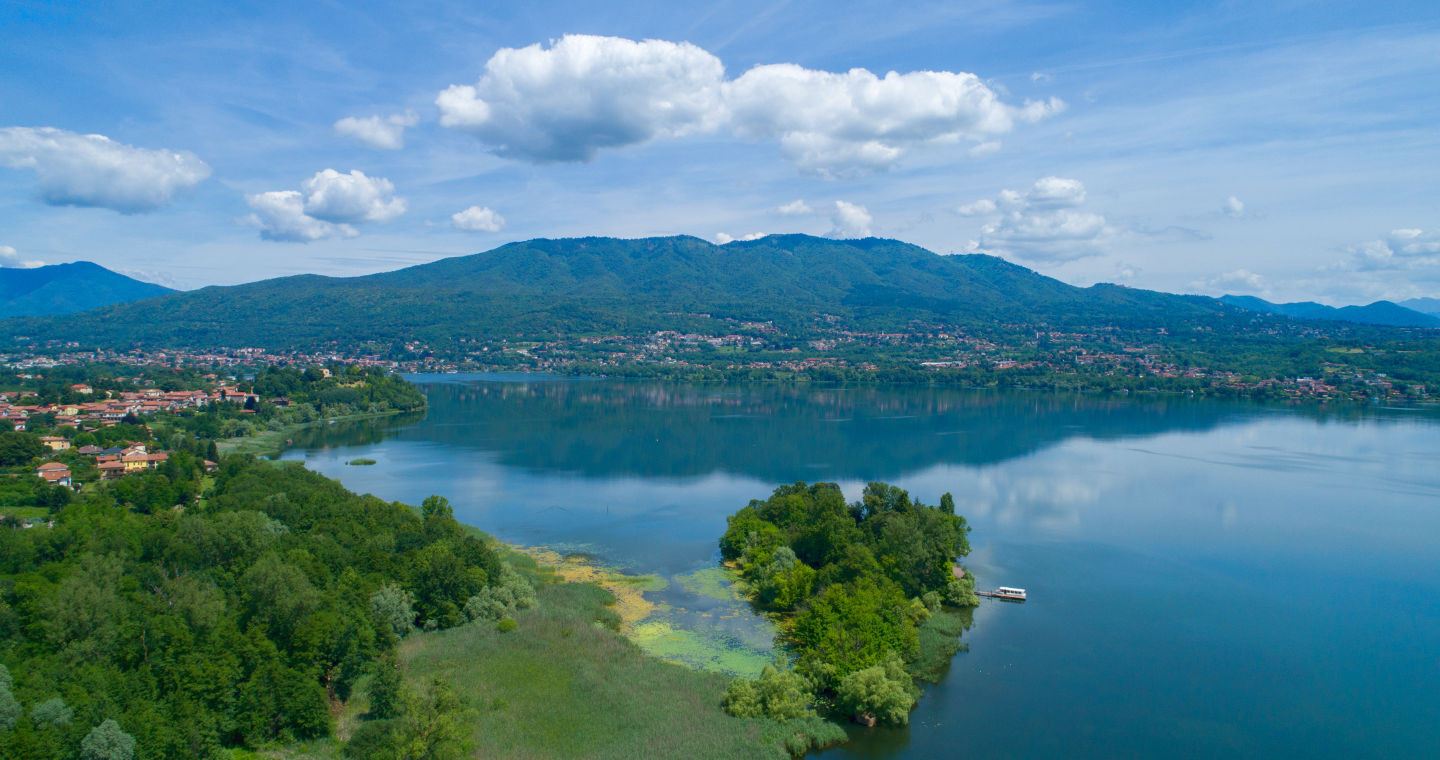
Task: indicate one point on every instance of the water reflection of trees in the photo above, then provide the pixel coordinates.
(775, 433)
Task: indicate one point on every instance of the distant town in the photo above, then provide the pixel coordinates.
(1101, 359)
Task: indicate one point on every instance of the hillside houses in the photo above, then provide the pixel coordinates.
(116, 462)
(108, 412)
(54, 473)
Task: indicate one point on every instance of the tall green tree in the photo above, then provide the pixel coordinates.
(107, 742)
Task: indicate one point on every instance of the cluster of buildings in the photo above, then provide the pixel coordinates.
(114, 407)
(1098, 351)
(113, 462)
(208, 359)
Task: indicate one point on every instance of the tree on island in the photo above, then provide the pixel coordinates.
(856, 580)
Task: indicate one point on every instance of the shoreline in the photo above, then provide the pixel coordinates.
(273, 443)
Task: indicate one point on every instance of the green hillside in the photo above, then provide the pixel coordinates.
(543, 288)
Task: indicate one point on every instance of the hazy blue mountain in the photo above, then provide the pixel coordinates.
(68, 288)
(579, 286)
(1429, 306)
(1379, 313)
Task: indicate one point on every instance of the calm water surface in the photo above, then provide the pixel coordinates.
(1206, 579)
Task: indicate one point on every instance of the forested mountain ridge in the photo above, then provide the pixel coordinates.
(545, 287)
(1385, 313)
(68, 288)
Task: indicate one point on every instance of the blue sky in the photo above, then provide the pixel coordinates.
(1281, 149)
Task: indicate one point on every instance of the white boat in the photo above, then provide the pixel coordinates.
(1006, 592)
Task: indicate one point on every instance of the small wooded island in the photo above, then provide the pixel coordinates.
(865, 595)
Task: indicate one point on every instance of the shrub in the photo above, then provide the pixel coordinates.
(960, 592)
(883, 691)
(486, 605)
(385, 689)
(511, 592)
(372, 739)
(107, 742)
(506, 625)
(779, 693)
(394, 607)
(52, 712)
(9, 709)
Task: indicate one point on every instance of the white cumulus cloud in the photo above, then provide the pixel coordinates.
(10, 259)
(978, 208)
(796, 207)
(92, 170)
(850, 220)
(587, 93)
(1233, 207)
(477, 219)
(1051, 192)
(379, 132)
(847, 220)
(722, 238)
(834, 124)
(1237, 281)
(1043, 223)
(1407, 248)
(280, 215)
(584, 93)
(987, 148)
(326, 205)
(334, 197)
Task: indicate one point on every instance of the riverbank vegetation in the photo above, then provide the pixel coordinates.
(237, 624)
(257, 609)
(857, 587)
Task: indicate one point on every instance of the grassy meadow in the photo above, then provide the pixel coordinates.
(566, 685)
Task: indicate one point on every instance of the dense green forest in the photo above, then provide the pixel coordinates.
(854, 583)
(241, 618)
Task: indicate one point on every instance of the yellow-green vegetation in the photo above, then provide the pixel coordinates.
(714, 582)
(703, 649)
(652, 626)
(24, 513)
(628, 590)
(361, 462)
(565, 684)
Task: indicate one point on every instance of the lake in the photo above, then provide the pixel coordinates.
(1205, 578)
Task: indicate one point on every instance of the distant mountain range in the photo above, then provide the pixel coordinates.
(599, 286)
(68, 288)
(1379, 313)
(584, 286)
(1429, 306)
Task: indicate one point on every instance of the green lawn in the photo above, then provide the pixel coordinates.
(24, 513)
